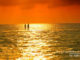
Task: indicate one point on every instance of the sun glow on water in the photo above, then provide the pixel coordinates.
(35, 48)
(40, 27)
(33, 51)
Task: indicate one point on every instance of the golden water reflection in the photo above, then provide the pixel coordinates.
(44, 45)
(33, 49)
(39, 45)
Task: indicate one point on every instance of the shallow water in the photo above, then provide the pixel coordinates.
(40, 45)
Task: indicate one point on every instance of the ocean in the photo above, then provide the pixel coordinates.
(61, 44)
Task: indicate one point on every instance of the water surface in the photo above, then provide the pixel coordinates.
(61, 44)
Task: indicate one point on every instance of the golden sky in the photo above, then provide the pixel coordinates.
(40, 11)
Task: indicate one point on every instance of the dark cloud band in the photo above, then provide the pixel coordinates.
(50, 3)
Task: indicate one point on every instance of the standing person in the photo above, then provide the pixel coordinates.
(28, 27)
(25, 26)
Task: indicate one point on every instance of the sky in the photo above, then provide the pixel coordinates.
(39, 11)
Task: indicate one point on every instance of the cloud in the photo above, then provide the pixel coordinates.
(56, 2)
(72, 1)
(60, 3)
(8, 2)
(29, 4)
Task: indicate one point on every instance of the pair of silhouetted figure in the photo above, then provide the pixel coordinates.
(26, 27)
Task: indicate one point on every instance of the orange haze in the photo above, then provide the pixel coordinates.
(39, 11)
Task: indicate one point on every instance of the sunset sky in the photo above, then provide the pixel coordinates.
(39, 11)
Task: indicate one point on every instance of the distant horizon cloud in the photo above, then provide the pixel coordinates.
(33, 2)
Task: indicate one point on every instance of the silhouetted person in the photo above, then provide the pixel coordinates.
(28, 26)
(25, 26)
